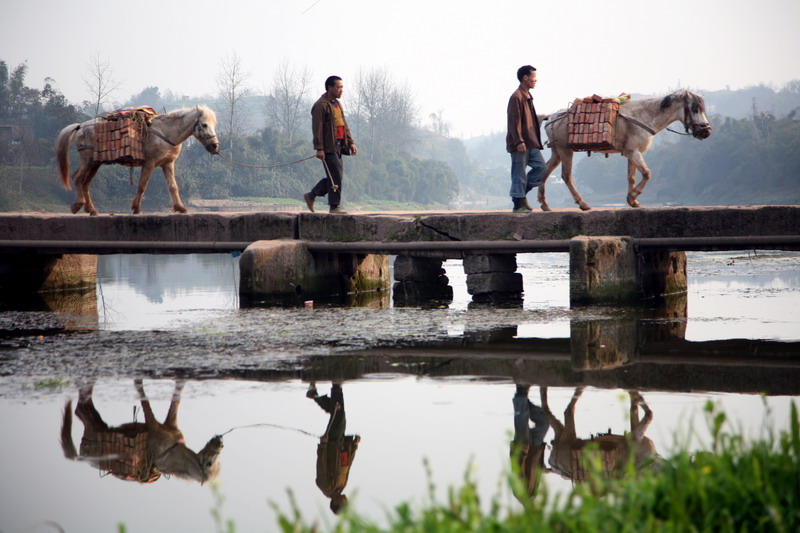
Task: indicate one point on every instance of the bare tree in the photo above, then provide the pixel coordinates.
(232, 86)
(440, 125)
(386, 108)
(286, 102)
(100, 82)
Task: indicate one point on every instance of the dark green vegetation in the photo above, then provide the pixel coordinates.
(737, 486)
(753, 158)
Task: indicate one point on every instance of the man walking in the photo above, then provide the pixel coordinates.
(523, 141)
(332, 139)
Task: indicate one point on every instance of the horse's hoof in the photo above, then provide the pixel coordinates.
(634, 203)
(136, 210)
(584, 206)
(180, 209)
(93, 213)
(75, 208)
(546, 207)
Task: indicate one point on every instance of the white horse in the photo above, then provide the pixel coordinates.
(637, 122)
(162, 146)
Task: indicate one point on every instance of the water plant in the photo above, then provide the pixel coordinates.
(739, 485)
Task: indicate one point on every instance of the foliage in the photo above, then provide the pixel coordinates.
(740, 486)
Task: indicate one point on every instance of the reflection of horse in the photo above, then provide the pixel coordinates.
(638, 121)
(138, 451)
(162, 146)
(567, 454)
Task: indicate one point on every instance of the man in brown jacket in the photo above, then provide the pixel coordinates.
(332, 139)
(523, 141)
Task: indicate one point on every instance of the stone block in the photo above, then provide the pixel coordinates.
(407, 268)
(474, 264)
(490, 282)
(286, 269)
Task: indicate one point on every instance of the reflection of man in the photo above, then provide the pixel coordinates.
(335, 452)
(528, 441)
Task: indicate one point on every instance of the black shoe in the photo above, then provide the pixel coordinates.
(337, 211)
(309, 198)
(524, 204)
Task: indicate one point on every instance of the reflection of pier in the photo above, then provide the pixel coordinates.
(734, 365)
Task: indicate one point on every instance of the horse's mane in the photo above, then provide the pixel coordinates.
(206, 113)
(681, 95)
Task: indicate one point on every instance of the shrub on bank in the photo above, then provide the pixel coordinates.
(738, 486)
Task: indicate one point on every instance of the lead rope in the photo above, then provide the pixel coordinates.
(267, 166)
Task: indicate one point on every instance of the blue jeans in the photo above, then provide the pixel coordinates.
(520, 182)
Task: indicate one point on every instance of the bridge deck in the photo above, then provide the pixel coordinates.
(448, 233)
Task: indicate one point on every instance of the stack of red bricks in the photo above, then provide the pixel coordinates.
(590, 123)
(119, 136)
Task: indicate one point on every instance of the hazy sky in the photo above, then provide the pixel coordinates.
(459, 57)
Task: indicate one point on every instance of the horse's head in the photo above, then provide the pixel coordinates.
(205, 129)
(694, 112)
(180, 461)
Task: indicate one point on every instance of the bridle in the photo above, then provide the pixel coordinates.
(689, 124)
(197, 132)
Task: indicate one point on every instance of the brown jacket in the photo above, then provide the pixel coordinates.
(323, 128)
(523, 124)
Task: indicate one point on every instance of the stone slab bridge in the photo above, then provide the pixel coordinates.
(616, 255)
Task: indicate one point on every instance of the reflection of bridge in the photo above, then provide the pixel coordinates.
(735, 365)
(615, 254)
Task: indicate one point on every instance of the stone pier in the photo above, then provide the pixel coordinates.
(30, 273)
(286, 271)
(419, 279)
(493, 277)
(611, 270)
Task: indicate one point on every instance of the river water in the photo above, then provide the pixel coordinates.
(424, 389)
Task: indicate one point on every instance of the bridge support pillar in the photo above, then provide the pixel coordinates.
(419, 279)
(610, 270)
(31, 273)
(286, 271)
(493, 277)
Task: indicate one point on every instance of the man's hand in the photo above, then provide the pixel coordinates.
(521, 148)
(354, 149)
(321, 154)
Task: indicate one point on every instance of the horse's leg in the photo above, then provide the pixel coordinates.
(89, 175)
(566, 175)
(555, 423)
(172, 186)
(569, 412)
(77, 180)
(144, 178)
(149, 417)
(636, 162)
(552, 163)
(171, 421)
(639, 426)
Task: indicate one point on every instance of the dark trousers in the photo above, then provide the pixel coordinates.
(336, 168)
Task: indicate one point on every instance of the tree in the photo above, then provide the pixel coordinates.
(287, 101)
(150, 96)
(386, 109)
(100, 82)
(231, 83)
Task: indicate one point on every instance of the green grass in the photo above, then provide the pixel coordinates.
(51, 383)
(737, 486)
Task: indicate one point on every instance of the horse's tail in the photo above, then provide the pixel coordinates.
(62, 152)
(66, 433)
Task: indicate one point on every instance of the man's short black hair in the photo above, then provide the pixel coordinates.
(525, 71)
(331, 81)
